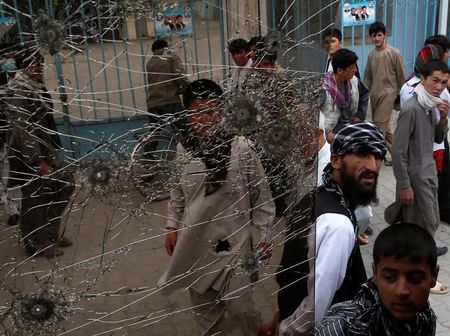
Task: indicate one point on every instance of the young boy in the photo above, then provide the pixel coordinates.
(428, 53)
(221, 193)
(384, 77)
(342, 99)
(240, 53)
(413, 163)
(331, 40)
(395, 300)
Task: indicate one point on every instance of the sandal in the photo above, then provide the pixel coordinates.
(439, 289)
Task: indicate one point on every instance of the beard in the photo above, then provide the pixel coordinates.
(355, 192)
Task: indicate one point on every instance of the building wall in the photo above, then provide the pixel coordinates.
(242, 19)
(409, 22)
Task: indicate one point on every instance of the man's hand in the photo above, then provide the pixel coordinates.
(265, 250)
(269, 329)
(171, 240)
(362, 239)
(330, 136)
(444, 109)
(407, 196)
(44, 168)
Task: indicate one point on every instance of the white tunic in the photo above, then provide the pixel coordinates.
(226, 214)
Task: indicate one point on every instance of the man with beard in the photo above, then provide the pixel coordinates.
(335, 268)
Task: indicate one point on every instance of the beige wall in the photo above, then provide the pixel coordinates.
(242, 18)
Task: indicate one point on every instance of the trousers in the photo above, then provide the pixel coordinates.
(221, 312)
(382, 107)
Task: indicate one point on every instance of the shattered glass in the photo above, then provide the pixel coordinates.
(107, 184)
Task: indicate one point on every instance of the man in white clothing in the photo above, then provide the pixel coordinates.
(240, 52)
(349, 180)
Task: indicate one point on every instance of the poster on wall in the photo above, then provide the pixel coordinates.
(358, 13)
(6, 23)
(173, 19)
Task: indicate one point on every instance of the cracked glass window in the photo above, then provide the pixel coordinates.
(153, 166)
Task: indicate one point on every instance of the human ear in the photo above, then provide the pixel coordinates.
(336, 161)
(434, 276)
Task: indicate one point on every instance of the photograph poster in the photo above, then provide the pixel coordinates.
(358, 13)
(173, 20)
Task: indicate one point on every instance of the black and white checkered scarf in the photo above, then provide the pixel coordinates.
(366, 315)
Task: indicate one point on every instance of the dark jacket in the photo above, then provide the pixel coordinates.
(165, 79)
(292, 275)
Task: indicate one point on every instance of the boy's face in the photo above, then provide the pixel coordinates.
(348, 73)
(435, 83)
(446, 56)
(331, 44)
(35, 71)
(204, 117)
(240, 58)
(378, 39)
(404, 285)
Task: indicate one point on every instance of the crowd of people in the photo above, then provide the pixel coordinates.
(228, 188)
(324, 288)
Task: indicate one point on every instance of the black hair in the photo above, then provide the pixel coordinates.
(159, 44)
(434, 65)
(271, 56)
(7, 48)
(333, 32)
(343, 59)
(201, 88)
(404, 240)
(255, 40)
(238, 45)
(440, 40)
(377, 27)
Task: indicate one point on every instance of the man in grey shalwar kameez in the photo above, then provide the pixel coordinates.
(210, 214)
(412, 150)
